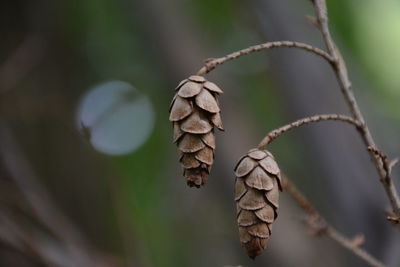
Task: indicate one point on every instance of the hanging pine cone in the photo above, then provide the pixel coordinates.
(194, 112)
(257, 186)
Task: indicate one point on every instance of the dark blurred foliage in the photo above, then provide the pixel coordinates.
(89, 176)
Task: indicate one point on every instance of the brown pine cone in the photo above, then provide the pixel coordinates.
(257, 186)
(194, 112)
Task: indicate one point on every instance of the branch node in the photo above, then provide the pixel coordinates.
(358, 240)
(312, 21)
(208, 60)
(387, 164)
(378, 152)
(317, 225)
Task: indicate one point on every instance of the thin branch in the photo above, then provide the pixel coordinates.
(341, 73)
(213, 63)
(324, 117)
(319, 225)
(393, 163)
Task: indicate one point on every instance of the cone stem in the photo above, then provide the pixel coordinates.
(214, 62)
(323, 117)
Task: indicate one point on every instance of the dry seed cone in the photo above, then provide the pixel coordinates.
(257, 189)
(194, 113)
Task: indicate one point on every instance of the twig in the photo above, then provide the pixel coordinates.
(213, 63)
(319, 225)
(387, 164)
(341, 73)
(277, 132)
(393, 163)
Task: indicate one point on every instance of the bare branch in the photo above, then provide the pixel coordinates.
(342, 76)
(211, 64)
(277, 132)
(320, 227)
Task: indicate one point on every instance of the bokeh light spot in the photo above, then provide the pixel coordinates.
(115, 117)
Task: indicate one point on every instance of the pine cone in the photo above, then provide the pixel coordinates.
(194, 112)
(257, 186)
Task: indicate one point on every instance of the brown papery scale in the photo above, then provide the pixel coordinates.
(195, 113)
(257, 186)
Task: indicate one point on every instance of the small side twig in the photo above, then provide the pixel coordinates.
(393, 163)
(211, 64)
(394, 219)
(320, 227)
(324, 117)
(387, 164)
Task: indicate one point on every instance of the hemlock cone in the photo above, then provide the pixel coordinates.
(194, 112)
(257, 186)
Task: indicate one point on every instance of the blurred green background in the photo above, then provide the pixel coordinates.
(89, 174)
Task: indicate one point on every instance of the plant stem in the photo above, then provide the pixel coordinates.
(324, 117)
(321, 227)
(341, 73)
